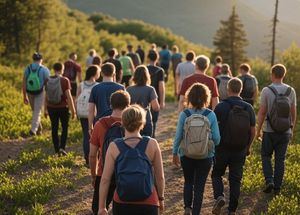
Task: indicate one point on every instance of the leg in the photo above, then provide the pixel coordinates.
(266, 156)
(86, 137)
(36, 103)
(64, 119)
(189, 174)
(155, 115)
(95, 202)
(219, 168)
(54, 118)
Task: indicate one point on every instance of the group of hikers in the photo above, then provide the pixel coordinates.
(118, 105)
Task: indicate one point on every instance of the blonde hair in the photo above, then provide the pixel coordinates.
(133, 118)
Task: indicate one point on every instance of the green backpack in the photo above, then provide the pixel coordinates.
(33, 84)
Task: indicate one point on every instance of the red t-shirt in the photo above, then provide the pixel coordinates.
(98, 135)
(71, 70)
(65, 85)
(217, 70)
(202, 79)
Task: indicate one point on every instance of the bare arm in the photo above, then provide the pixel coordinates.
(70, 103)
(252, 137)
(162, 91)
(261, 116)
(177, 83)
(214, 102)
(155, 105)
(91, 116)
(294, 116)
(158, 171)
(181, 103)
(25, 97)
(255, 95)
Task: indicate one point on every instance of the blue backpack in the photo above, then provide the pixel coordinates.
(133, 171)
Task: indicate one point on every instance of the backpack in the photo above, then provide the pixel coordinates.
(196, 142)
(249, 87)
(222, 86)
(236, 134)
(33, 84)
(70, 71)
(133, 171)
(54, 90)
(82, 104)
(280, 113)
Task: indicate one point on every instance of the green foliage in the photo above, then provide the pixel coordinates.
(284, 205)
(62, 161)
(261, 70)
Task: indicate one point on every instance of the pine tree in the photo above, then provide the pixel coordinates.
(230, 41)
(273, 42)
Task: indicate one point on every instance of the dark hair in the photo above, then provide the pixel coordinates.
(92, 52)
(71, 55)
(198, 95)
(129, 47)
(175, 48)
(245, 67)
(225, 69)
(123, 52)
(218, 59)
(97, 60)
(133, 118)
(278, 71)
(37, 56)
(202, 62)
(58, 67)
(165, 46)
(141, 76)
(153, 55)
(108, 69)
(111, 52)
(235, 85)
(120, 100)
(190, 56)
(91, 71)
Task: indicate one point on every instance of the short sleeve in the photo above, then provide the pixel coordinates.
(46, 73)
(293, 97)
(178, 70)
(92, 98)
(214, 92)
(184, 87)
(252, 116)
(161, 74)
(153, 94)
(263, 97)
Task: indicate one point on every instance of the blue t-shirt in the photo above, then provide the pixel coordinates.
(43, 73)
(100, 96)
(165, 56)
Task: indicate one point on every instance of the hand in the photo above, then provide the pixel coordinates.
(161, 206)
(102, 211)
(176, 160)
(90, 131)
(162, 105)
(26, 101)
(74, 115)
(258, 136)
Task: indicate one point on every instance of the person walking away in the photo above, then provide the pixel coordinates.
(237, 128)
(112, 53)
(218, 66)
(59, 101)
(197, 134)
(141, 53)
(141, 191)
(278, 111)
(157, 81)
(184, 70)
(222, 81)
(105, 130)
(250, 84)
(97, 61)
(153, 47)
(143, 94)
(127, 68)
(89, 59)
(99, 101)
(202, 64)
(134, 57)
(34, 79)
(176, 58)
(72, 71)
(82, 106)
(164, 58)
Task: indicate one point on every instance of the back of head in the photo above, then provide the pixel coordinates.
(218, 59)
(120, 100)
(58, 67)
(73, 56)
(278, 71)
(153, 55)
(92, 71)
(112, 53)
(97, 60)
(235, 86)
(141, 76)
(139, 47)
(175, 49)
(202, 63)
(198, 95)
(225, 69)
(92, 52)
(165, 46)
(190, 56)
(245, 67)
(153, 46)
(123, 52)
(133, 118)
(37, 56)
(108, 70)
(129, 47)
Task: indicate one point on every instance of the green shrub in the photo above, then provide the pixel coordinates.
(284, 205)
(62, 161)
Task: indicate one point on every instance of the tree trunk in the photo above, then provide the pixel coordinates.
(275, 20)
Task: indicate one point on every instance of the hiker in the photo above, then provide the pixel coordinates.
(153, 47)
(278, 108)
(202, 64)
(134, 57)
(157, 81)
(184, 70)
(58, 102)
(176, 58)
(143, 94)
(141, 53)
(164, 60)
(82, 105)
(97, 61)
(136, 193)
(112, 53)
(89, 59)
(250, 84)
(218, 66)
(119, 100)
(99, 104)
(34, 79)
(237, 128)
(127, 68)
(222, 81)
(198, 130)
(72, 71)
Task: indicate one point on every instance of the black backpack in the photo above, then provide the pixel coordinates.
(279, 116)
(236, 133)
(248, 87)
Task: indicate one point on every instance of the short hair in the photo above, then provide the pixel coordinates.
(278, 70)
(141, 76)
(153, 46)
(175, 48)
(218, 59)
(58, 67)
(37, 56)
(120, 100)
(202, 62)
(92, 52)
(97, 60)
(225, 69)
(108, 69)
(152, 55)
(129, 47)
(190, 56)
(198, 95)
(133, 118)
(139, 46)
(165, 46)
(72, 55)
(91, 71)
(245, 67)
(235, 85)
(112, 52)
(123, 52)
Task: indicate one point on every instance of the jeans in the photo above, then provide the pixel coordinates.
(195, 174)
(155, 115)
(36, 103)
(86, 137)
(132, 209)
(148, 128)
(235, 162)
(277, 143)
(56, 115)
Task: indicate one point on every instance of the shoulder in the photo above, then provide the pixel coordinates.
(64, 80)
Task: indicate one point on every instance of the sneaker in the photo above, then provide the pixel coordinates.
(31, 133)
(276, 192)
(39, 131)
(269, 187)
(220, 202)
(187, 211)
(62, 152)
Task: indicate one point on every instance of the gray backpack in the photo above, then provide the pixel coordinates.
(196, 142)
(222, 86)
(280, 113)
(54, 90)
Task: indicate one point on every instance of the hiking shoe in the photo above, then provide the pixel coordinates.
(31, 133)
(187, 211)
(220, 202)
(62, 152)
(269, 187)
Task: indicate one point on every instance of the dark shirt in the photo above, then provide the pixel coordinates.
(141, 53)
(118, 66)
(157, 75)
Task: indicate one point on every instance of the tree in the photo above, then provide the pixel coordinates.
(230, 41)
(273, 42)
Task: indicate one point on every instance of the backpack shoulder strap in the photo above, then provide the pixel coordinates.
(206, 112)
(121, 145)
(274, 91)
(187, 113)
(288, 91)
(142, 145)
